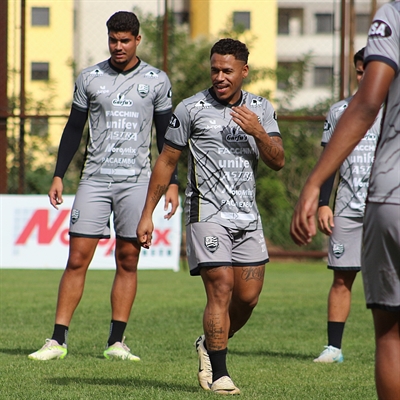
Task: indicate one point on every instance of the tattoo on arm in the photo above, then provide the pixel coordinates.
(273, 149)
(160, 190)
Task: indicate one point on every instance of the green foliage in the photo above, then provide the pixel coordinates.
(270, 358)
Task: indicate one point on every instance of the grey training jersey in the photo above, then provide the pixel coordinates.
(356, 168)
(222, 160)
(121, 107)
(384, 46)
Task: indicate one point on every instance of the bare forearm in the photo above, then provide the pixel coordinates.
(271, 151)
(160, 178)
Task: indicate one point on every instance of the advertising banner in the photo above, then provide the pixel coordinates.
(35, 235)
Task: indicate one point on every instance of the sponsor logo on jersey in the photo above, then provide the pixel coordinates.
(236, 135)
(370, 136)
(327, 126)
(379, 29)
(338, 250)
(102, 90)
(75, 215)
(121, 101)
(256, 102)
(143, 89)
(202, 104)
(174, 122)
(151, 75)
(97, 72)
(211, 243)
(213, 125)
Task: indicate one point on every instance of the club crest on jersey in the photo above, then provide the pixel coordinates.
(211, 243)
(174, 122)
(151, 75)
(202, 104)
(97, 72)
(256, 102)
(379, 29)
(327, 126)
(121, 101)
(74, 215)
(143, 89)
(338, 250)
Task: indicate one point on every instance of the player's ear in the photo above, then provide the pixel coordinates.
(138, 39)
(245, 70)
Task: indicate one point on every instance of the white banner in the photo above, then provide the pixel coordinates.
(35, 235)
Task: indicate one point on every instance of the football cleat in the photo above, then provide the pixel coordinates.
(330, 355)
(205, 371)
(120, 351)
(51, 350)
(224, 385)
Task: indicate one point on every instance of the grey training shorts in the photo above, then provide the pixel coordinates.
(344, 251)
(212, 245)
(95, 201)
(381, 256)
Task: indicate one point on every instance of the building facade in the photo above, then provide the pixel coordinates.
(311, 31)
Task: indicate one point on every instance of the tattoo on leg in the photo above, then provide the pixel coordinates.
(216, 332)
(256, 273)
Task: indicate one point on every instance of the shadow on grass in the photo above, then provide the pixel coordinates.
(278, 354)
(17, 352)
(137, 383)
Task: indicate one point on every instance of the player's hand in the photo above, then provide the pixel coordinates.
(171, 200)
(247, 120)
(144, 231)
(325, 220)
(302, 227)
(55, 192)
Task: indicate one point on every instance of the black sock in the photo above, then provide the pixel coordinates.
(335, 334)
(117, 329)
(60, 334)
(218, 363)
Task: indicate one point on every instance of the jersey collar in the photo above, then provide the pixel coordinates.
(128, 70)
(224, 103)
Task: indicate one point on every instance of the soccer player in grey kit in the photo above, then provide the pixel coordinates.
(121, 97)
(227, 131)
(344, 227)
(380, 263)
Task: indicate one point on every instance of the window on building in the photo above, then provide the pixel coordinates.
(40, 127)
(363, 23)
(181, 17)
(324, 23)
(290, 21)
(323, 76)
(241, 19)
(40, 16)
(40, 71)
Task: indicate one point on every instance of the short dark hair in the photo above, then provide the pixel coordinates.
(231, 46)
(359, 56)
(123, 21)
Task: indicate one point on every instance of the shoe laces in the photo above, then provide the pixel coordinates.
(48, 343)
(124, 346)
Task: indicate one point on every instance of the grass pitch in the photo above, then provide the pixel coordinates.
(270, 358)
